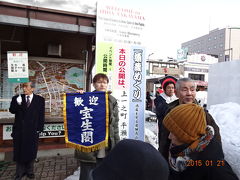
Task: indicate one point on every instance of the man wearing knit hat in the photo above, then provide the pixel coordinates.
(186, 93)
(132, 160)
(194, 152)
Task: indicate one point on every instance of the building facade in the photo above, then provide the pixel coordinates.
(197, 66)
(157, 69)
(221, 43)
(61, 54)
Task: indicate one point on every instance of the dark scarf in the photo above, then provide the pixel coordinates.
(180, 155)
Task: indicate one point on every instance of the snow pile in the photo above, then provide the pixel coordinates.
(201, 97)
(75, 175)
(6, 115)
(151, 136)
(148, 114)
(227, 116)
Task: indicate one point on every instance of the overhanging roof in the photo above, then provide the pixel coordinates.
(21, 15)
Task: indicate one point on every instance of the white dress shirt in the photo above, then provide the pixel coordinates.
(30, 97)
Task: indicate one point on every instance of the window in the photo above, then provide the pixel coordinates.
(226, 57)
(163, 65)
(199, 77)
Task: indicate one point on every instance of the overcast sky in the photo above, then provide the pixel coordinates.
(170, 22)
(82, 6)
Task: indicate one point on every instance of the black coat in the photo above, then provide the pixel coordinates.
(27, 122)
(208, 164)
(161, 109)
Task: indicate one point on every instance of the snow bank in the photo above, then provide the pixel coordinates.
(75, 175)
(227, 116)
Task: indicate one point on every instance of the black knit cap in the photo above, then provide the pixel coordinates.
(167, 80)
(132, 160)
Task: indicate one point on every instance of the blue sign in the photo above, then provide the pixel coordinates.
(86, 119)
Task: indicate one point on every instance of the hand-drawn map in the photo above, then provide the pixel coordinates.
(52, 80)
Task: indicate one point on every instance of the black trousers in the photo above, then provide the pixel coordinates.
(24, 168)
(86, 168)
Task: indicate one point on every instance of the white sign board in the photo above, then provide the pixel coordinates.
(120, 53)
(49, 131)
(17, 66)
(202, 59)
(182, 54)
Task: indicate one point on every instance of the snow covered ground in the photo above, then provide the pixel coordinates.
(6, 115)
(227, 116)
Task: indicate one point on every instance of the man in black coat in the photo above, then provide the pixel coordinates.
(29, 112)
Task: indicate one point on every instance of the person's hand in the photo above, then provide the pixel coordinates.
(80, 91)
(19, 100)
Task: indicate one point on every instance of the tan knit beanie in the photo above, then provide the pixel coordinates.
(187, 122)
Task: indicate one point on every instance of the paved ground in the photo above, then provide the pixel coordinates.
(47, 168)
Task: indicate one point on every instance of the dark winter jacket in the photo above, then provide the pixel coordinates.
(208, 164)
(28, 120)
(113, 133)
(161, 108)
(164, 142)
(158, 99)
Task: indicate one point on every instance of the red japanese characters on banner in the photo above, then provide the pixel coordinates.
(121, 69)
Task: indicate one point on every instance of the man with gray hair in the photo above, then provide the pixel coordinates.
(186, 93)
(29, 111)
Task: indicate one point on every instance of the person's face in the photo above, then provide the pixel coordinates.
(186, 93)
(170, 90)
(27, 89)
(174, 139)
(100, 85)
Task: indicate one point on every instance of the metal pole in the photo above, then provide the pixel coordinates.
(0, 62)
(229, 44)
(86, 69)
(19, 89)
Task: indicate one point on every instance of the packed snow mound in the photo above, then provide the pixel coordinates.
(227, 116)
(75, 175)
(151, 133)
(149, 114)
(201, 97)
